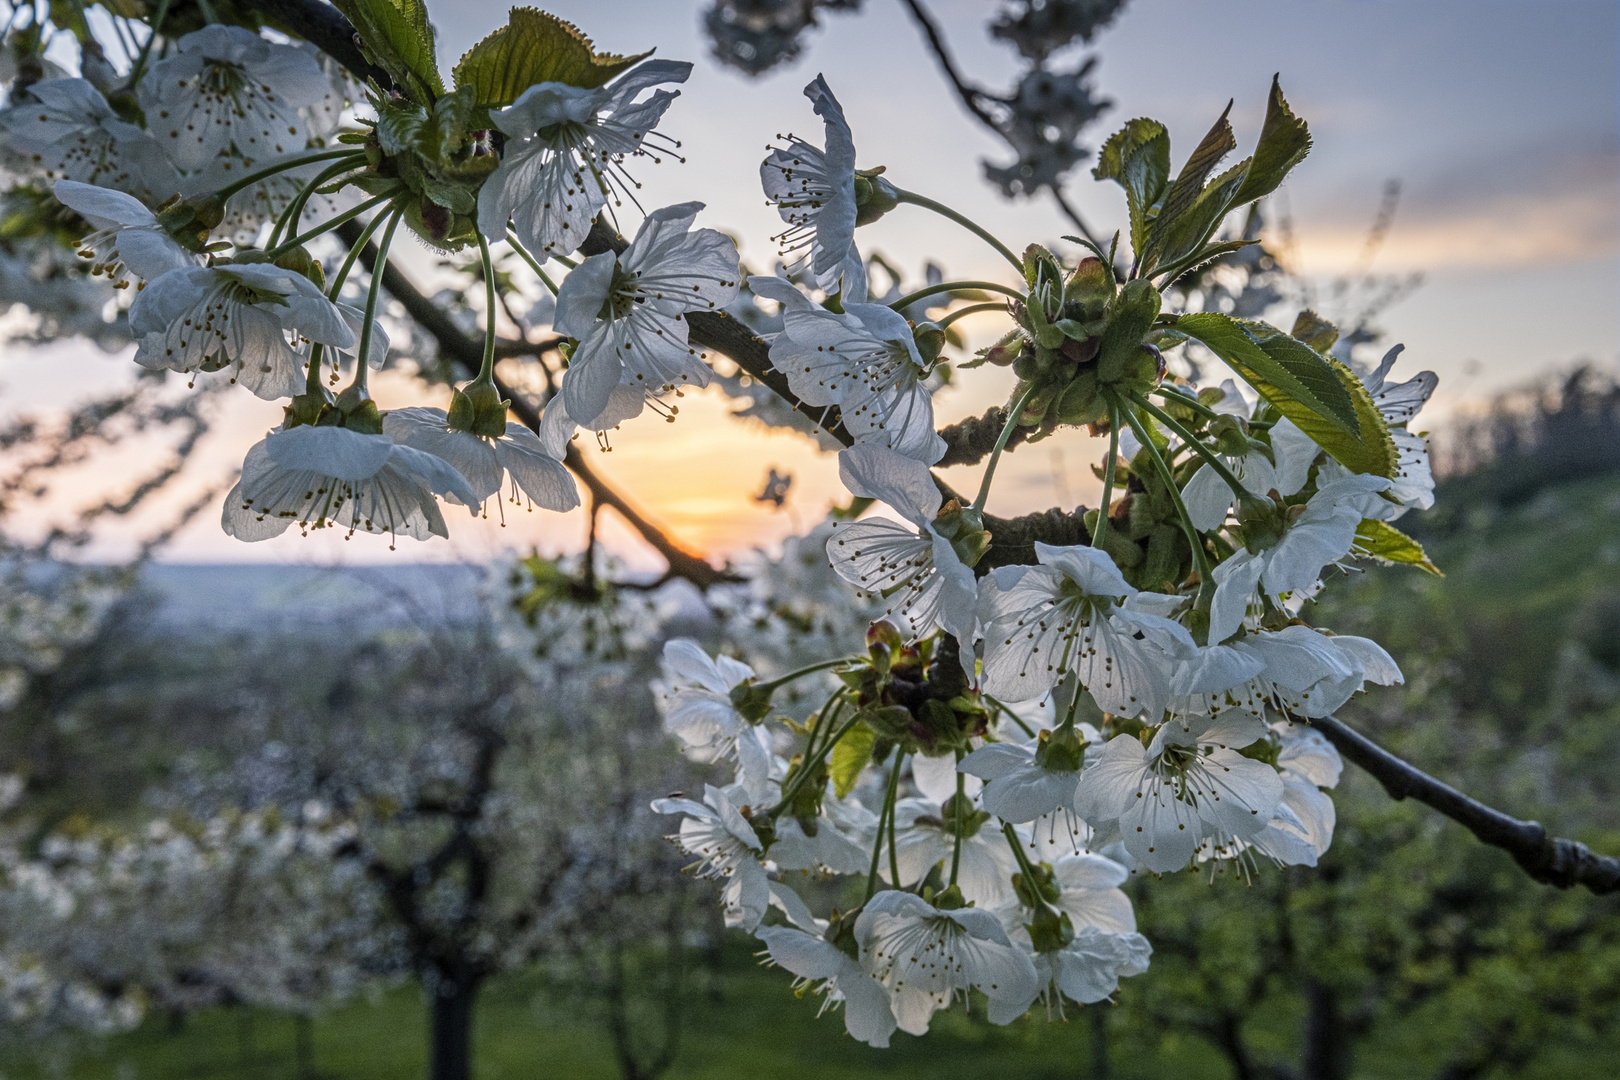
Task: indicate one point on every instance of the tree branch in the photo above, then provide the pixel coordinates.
(970, 441)
(324, 27)
(469, 354)
(1552, 860)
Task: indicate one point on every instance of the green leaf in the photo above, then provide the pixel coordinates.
(1200, 258)
(1190, 181)
(1322, 396)
(1137, 157)
(1284, 141)
(849, 757)
(1384, 542)
(1193, 227)
(535, 47)
(397, 37)
(1315, 331)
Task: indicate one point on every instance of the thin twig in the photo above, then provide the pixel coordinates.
(1549, 859)
(971, 96)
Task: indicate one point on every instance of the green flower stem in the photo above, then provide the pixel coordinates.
(814, 760)
(486, 370)
(885, 816)
(894, 790)
(312, 379)
(295, 209)
(1211, 458)
(153, 31)
(1017, 846)
(1014, 717)
(961, 799)
(328, 225)
(1099, 537)
(1014, 413)
(364, 353)
(961, 219)
(534, 264)
(1190, 402)
(955, 286)
(282, 166)
(1200, 556)
(335, 288)
(565, 260)
(795, 675)
(971, 309)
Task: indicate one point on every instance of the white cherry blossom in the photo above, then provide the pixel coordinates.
(565, 154)
(824, 968)
(696, 702)
(924, 837)
(234, 319)
(925, 957)
(534, 467)
(1323, 534)
(224, 90)
(1302, 831)
(729, 851)
(916, 569)
(64, 129)
(128, 239)
(863, 362)
(1413, 485)
(1076, 613)
(814, 191)
(332, 477)
(628, 312)
(1209, 498)
(1018, 787)
(1189, 784)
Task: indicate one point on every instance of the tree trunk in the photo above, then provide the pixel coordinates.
(1327, 1047)
(452, 1011)
(1099, 1043)
(304, 1046)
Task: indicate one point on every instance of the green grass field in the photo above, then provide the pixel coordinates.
(753, 1027)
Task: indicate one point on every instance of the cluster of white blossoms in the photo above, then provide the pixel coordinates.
(1043, 705)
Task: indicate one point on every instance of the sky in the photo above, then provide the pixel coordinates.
(1500, 119)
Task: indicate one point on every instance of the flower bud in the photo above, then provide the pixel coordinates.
(299, 261)
(1091, 285)
(1082, 401)
(930, 339)
(1060, 750)
(1050, 929)
(971, 819)
(1231, 435)
(964, 528)
(874, 196)
(884, 638)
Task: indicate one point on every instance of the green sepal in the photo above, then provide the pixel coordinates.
(1130, 321)
(964, 528)
(355, 410)
(1384, 543)
(752, 702)
(397, 36)
(535, 47)
(1061, 750)
(1050, 929)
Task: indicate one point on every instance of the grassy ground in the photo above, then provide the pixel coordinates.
(754, 1028)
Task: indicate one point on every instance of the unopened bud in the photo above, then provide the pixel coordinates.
(1231, 435)
(964, 528)
(1091, 284)
(883, 639)
(930, 339)
(874, 196)
(301, 262)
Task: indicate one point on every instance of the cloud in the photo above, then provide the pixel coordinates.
(1535, 205)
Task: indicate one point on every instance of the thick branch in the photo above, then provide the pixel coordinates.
(324, 27)
(970, 442)
(469, 354)
(1549, 859)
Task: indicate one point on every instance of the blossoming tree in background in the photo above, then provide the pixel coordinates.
(1043, 705)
